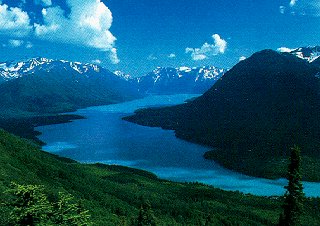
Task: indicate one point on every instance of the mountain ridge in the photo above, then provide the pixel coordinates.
(260, 108)
(168, 80)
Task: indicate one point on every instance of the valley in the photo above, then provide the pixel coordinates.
(159, 113)
(97, 141)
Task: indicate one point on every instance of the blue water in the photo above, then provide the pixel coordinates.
(104, 137)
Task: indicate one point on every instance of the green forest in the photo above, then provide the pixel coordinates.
(116, 195)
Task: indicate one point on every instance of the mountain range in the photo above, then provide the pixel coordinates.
(167, 80)
(162, 80)
(41, 85)
(262, 107)
(310, 53)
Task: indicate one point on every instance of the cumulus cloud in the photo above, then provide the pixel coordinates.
(87, 24)
(293, 3)
(207, 50)
(15, 43)
(284, 50)
(172, 55)
(14, 21)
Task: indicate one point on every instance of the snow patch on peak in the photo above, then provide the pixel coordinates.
(12, 70)
(123, 75)
(184, 68)
(310, 53)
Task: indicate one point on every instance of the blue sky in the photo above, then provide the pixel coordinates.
(136, 36)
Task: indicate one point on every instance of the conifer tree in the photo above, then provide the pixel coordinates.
(30, 206)
(294, 196)
(146, 216)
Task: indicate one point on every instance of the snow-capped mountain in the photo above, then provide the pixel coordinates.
(164, 80)
(11, 70)
(310, 53)
(123, 75)
(43, 85)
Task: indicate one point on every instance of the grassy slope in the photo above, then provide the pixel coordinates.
(113, 193)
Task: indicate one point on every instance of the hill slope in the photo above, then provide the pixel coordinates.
(253, 115)
(63, 86)
(113, 193)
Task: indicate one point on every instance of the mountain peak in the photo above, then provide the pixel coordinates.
(309, 53)
(167, 80)
(12, 69)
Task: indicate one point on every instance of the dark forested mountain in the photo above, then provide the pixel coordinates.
(253, 115)
(46, 86)
(166, 80)
(43, 85)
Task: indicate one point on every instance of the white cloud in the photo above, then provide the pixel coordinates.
(87, 25)
(219, 43)
(14, 22)
(305, 7)
(206, 50)
(172, 55)
(15, 43)
(293, 3)
(196, 54)
(113, 56)
(284, 50)
(242, 58)
(282, 9)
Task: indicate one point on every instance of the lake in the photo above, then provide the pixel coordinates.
(104, 137)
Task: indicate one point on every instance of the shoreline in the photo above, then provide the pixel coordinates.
(24, 127)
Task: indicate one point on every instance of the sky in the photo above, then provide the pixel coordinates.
(136, 36)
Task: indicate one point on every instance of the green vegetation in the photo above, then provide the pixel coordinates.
(294, 196)
(62, 90)
(114, 195)
(23, 126)
(252, 116)
(30, 206)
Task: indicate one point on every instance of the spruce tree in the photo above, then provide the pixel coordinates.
(146, 216)
(29, 205)
(294, 196)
